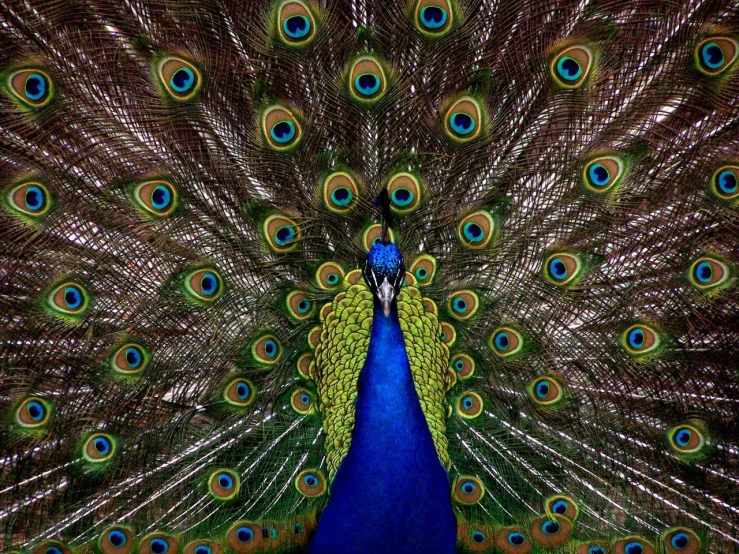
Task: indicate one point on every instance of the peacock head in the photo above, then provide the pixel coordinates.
(384, 273)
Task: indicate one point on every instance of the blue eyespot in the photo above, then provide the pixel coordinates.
(158, 546)
(270, 348)
(502, 341)
(560, 507)
(727, 182)
(433, 17)
(342, 196)
(133, 357)
(713, 58)
(467, 402)
(203, 549)
(542, 389)
(225, 481)
(161, 198)
(704, 272)
(462, 123)
(473, 232)
(558, 269)
(568, 69)
(478, 536)
(244, 534)
(459, 365)
(516, 539)
(596, 550)
(72, 297)
(421, 273)
(282, 132)
(35, 89)
(680, 541)
(117, 538)
(367, 84)
(459, 305)
(310, 480)
(296, 26)
(208, 284)
(469, 487)
(53, 550)
(636, 338)
(550, 527)
(304, 306)
(332, 278)
(242, 391)
(683, 436)
(285, 235)
(102, 445)
(305, 399)
(36, 410)
(634, 547)
(402, 197)
(34, 199)
(599, 175)
(182, 80)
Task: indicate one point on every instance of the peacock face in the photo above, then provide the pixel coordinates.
(384, 273)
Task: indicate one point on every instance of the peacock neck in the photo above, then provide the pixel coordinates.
(391, 493)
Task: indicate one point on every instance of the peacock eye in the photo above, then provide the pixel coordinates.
(545, 391)
(200, 547)
(29, 199)
(469, 405)
(506, 342)
(515, 538)
(224, 484)
(99, 447)
(266, 349)
(33, 87)
(564, 506)
(463, 365)
(423, 269)
(205, 285)
(311, 483)
(571, 67)
(367, 80)
(301, 401)
(129, 359)
(476, 230)
(463, 119)
(640, 339)
(405, 193)
(478, 536)
(155, 198)
(463, 304)
(33, 413)
(448, 333)
(329, 275)
(633, 545)
(433, 17)
(708, 273)
(550, 527)
(563, 268)
(158, 543)
(296, 23)
(715, 55)
(245, 534)
(340, 192)
(603, 174)
(281, 129)
(468, 490)
(116, 540)
(68, 299)
(239, 392)
(597, 549)
(686, 439)
(681, 539)
(181, 79)
(281, 233)
(51, 547)
(724, 182)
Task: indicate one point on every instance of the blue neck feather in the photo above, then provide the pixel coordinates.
(391, 493)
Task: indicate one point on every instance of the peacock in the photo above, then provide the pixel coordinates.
(356, 276)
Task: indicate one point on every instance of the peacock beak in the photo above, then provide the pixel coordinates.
(385, 294)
